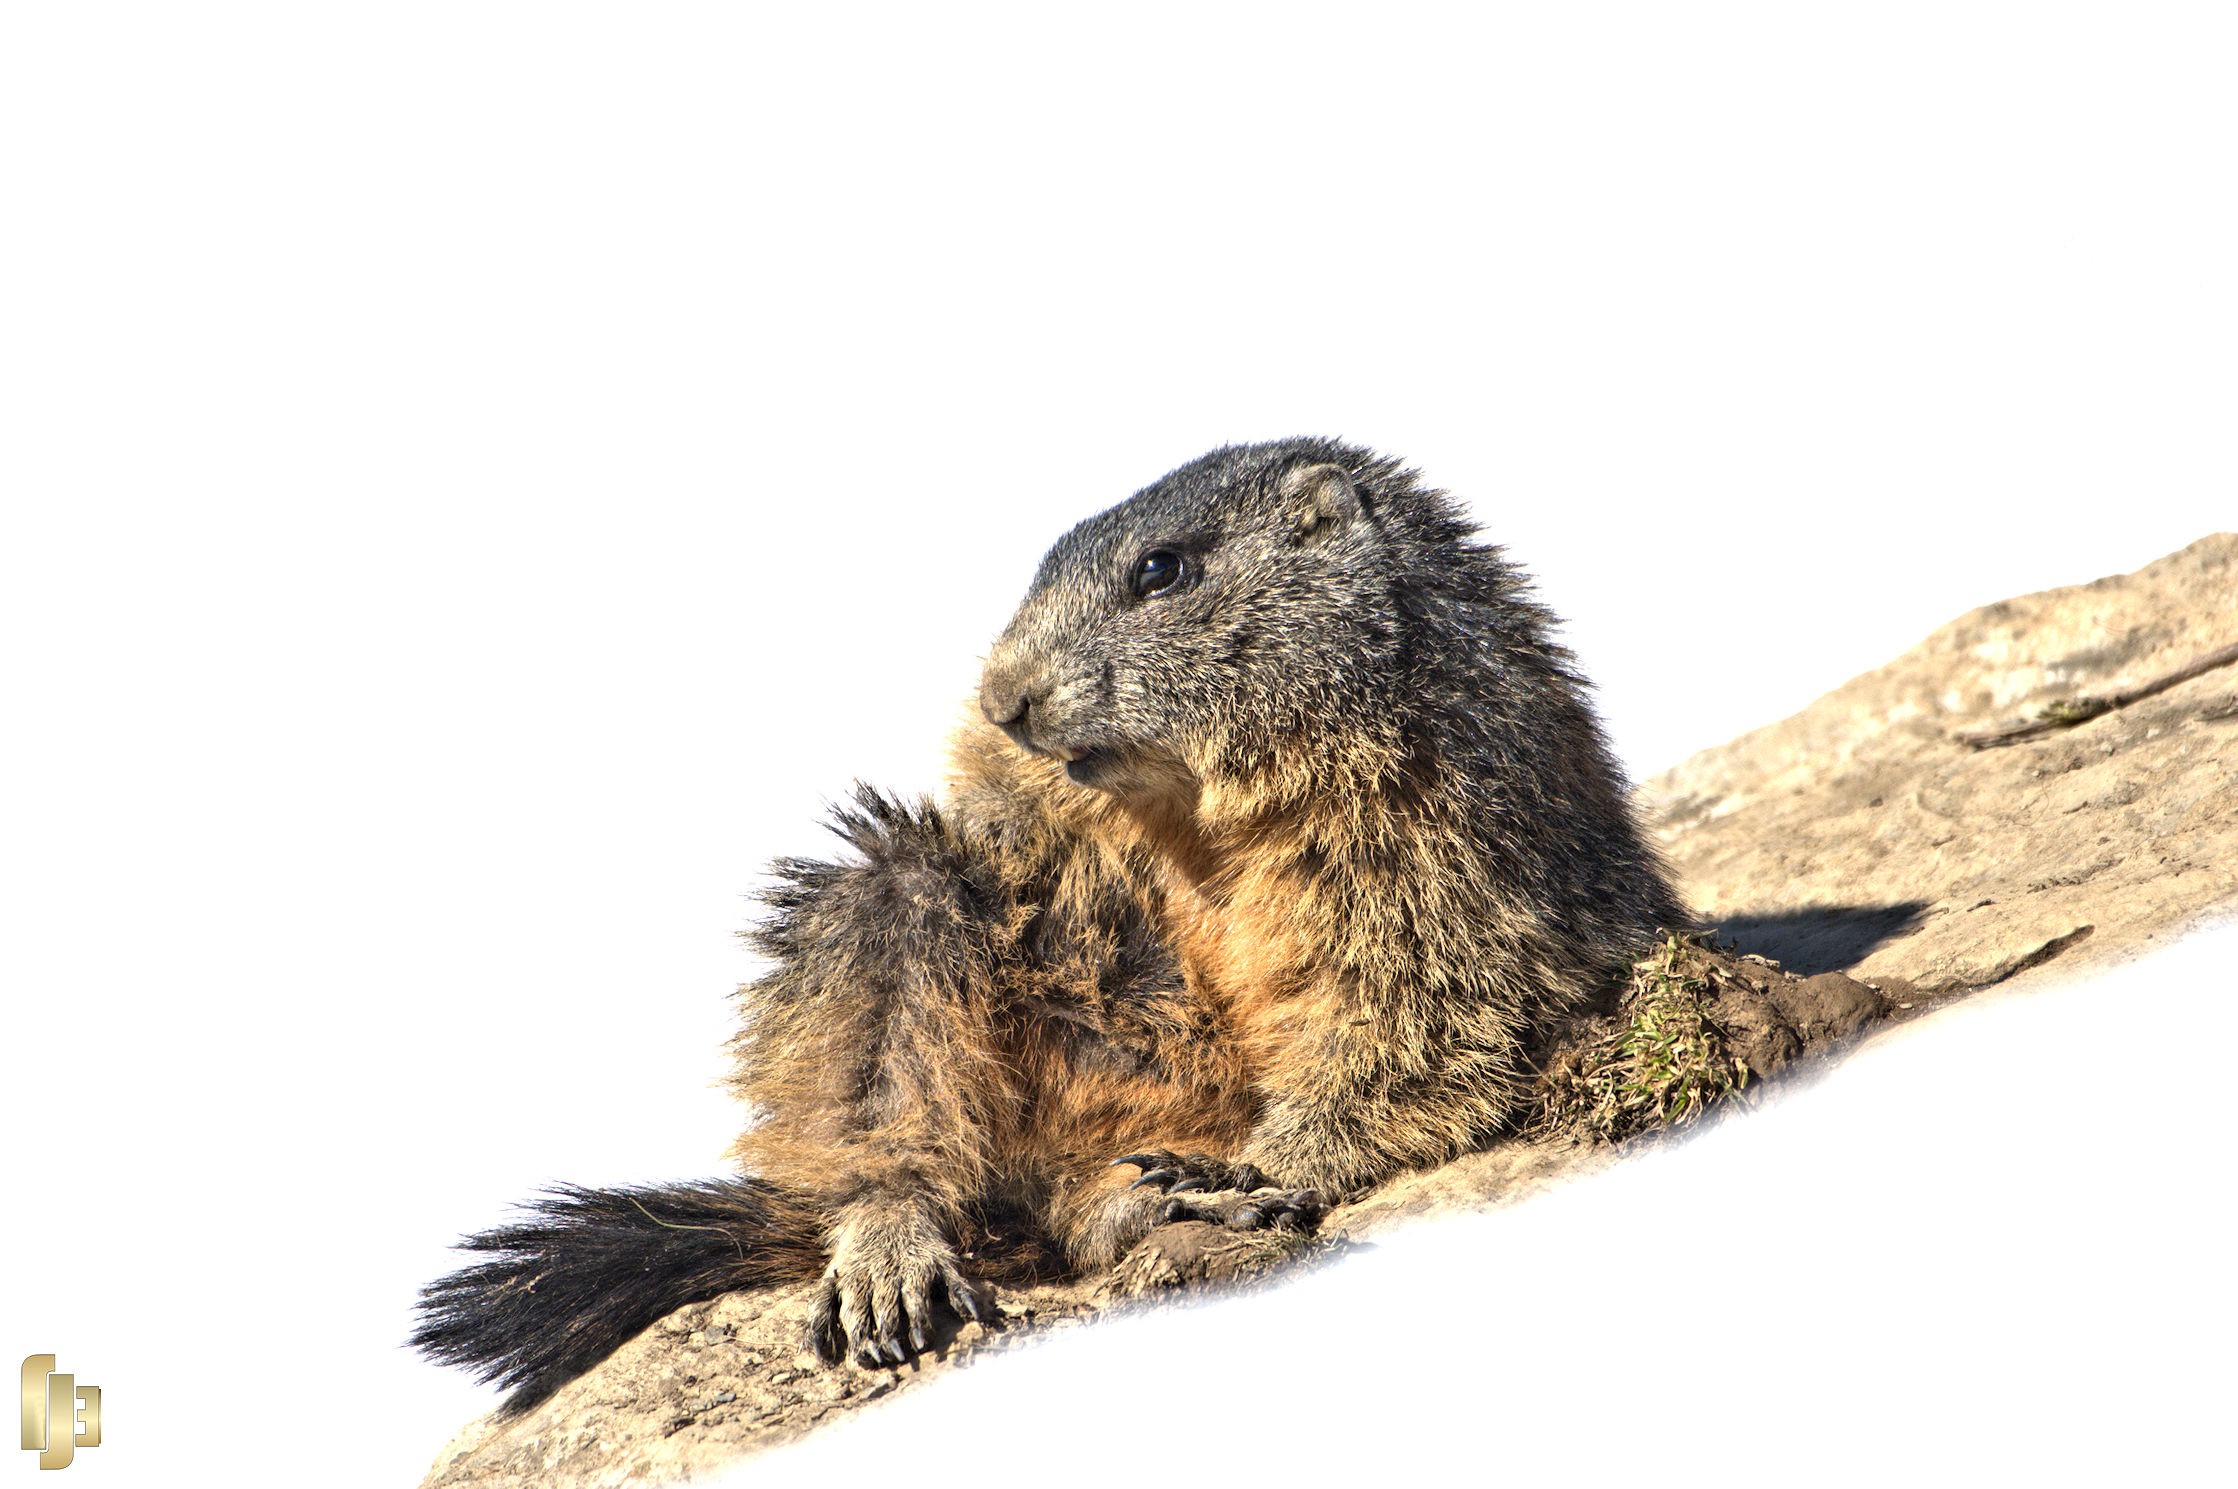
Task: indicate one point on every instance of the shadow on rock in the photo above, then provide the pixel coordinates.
(1822, 938)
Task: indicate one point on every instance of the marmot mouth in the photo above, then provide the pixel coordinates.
(1085, 765)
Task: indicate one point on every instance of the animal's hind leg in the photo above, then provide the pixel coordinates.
(875, 1046)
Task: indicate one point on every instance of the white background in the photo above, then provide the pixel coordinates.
(478, 478)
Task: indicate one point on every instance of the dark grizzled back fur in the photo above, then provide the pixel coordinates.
(1493, 691)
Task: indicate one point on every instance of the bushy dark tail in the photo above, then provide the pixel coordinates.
(588, 1268)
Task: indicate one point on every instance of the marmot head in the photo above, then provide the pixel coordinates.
(1214, 622)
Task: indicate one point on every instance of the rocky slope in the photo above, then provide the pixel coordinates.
(1863, 834)
(1862, 843)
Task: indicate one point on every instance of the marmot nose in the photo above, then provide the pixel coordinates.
(1004, 693)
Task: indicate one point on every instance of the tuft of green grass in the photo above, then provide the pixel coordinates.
(1660, 1063)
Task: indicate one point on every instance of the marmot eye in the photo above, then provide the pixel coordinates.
(1157, 571)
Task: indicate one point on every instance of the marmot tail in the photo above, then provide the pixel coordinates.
(586, 1269)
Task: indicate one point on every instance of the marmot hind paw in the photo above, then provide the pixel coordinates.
(893, 1285)
(893, 1324)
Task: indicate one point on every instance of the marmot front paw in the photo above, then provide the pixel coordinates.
(1237, 1195)
(1183, 1173)
(1267, 1209)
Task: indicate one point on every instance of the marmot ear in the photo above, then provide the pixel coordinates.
(1322, 498)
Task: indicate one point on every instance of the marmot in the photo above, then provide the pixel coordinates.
(1284, 835)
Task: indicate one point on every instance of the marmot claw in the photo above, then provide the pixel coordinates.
(875, 1326)
(891, 1281)
(1179, 1174)
(1269, 1209)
